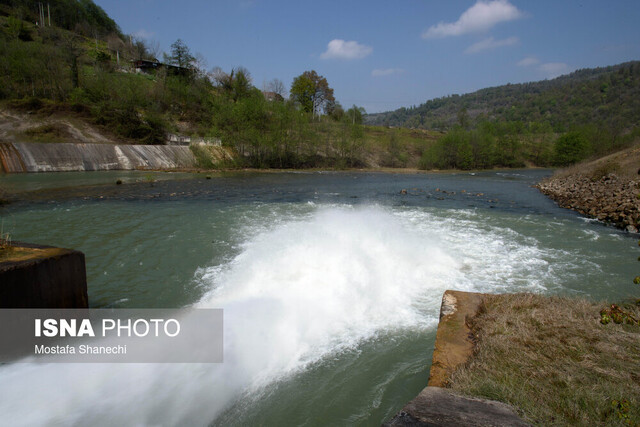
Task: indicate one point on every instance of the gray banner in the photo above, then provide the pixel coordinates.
(111, 335)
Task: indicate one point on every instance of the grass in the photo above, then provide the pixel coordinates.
(380, 147)
(6, 249)
(624, 163)
(398, 147)
(52, 132)
(211, 157)
(552, 359)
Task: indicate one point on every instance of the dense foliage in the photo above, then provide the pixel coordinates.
(516, 144)
(81, 16)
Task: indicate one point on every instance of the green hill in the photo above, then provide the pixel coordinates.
(604, 96)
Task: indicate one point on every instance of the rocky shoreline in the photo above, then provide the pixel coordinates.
(610, 198)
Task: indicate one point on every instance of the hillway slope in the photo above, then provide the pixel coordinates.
(18, 126)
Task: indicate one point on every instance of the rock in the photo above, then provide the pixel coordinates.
(403, 191)
(611, 198)
(437, 406)
(631, 229)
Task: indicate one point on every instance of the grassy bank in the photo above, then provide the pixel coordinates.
(553, 360)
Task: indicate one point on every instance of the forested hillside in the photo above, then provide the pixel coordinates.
(70, 59)
(608, 96)
(81, 16)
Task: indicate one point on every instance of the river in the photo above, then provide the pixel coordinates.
(330, 284)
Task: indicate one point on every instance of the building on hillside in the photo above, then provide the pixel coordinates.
(272, 96)
(147, 66)
(173, 139)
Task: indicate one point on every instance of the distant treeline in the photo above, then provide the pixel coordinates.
(608, 96)
(516, 144)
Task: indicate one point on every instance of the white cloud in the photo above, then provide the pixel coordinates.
(491, 43)
(380, 72)
(143, 34)
(554, 69)
(341, 49)
(528, 61)
(480, 17)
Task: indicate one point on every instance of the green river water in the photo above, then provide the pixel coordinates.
(330, 283)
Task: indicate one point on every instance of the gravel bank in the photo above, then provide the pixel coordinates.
(611, 198)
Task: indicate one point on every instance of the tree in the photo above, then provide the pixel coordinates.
(180, 55)
(355, 114)
(463, 118)
(276, 86)
(236, 85)
(138, 49)
(337, 112)
(312, 93)
(72, 47)
(200, 65)
(571, 148)
(302, 92)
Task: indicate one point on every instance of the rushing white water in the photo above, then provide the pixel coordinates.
(297, 292)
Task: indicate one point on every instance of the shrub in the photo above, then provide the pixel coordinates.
(570, 148)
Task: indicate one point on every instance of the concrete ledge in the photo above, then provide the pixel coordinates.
(36, 276)
(436, 406)
(454, 341)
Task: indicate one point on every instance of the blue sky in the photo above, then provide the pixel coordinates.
(386, 54)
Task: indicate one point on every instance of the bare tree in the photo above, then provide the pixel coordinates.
(276, 86)
(137, 49)
(200, 64)
(219, 78)
(115, 43)
(153, 49)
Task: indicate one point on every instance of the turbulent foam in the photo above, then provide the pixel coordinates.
(296, 292)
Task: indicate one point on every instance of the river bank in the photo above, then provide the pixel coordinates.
(611, 199)
(491, 347)
(553, 360)
(607, 189)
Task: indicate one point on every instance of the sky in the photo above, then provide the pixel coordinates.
(387, 54)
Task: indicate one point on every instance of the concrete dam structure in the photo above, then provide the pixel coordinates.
(20, 157)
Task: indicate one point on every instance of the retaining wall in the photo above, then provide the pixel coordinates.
(19, 157)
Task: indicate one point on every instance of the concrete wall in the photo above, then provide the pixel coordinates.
(63, 157)
(438, 406)
(43, 277)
